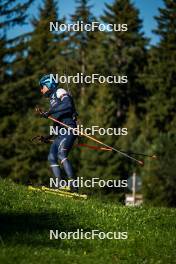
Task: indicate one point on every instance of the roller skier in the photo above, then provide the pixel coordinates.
(61, 108)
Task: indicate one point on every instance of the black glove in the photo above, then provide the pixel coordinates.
(44, 139)
(44, 114)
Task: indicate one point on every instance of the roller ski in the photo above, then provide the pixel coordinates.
(65, 192)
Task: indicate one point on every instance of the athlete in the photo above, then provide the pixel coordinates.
(62, 108)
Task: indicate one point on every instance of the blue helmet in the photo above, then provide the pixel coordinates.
(49, 82)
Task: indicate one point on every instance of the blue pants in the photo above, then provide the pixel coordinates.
(59, 150)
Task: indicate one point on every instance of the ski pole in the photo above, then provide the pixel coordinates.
(140, 162)
(38, 139)
(141, 154)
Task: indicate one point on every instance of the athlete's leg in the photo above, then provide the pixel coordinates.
(64, 147)
(53, 159)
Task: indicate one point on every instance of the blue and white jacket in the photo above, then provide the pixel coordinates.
(63, 108)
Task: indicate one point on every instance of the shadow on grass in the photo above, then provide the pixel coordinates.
(33, 228)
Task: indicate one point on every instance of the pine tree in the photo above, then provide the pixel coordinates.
(45, 45)
(12, 13)
(45, 49)
(125, 54)
(159, 79)
(161, 72)
(80, 39)
(85, 55)
(98, 163)
(85, 48)
(21, 160)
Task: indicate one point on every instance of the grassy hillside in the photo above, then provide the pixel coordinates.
(26, 218)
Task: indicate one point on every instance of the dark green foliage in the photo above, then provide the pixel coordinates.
(159, 79)
(100, 164)
(85, 56)
(13, 12)
(125, 53)
(85, 49)
(145, 105)
(44, 44)
(19, 98)
(159, 176)
(161, 72)
(167, 26)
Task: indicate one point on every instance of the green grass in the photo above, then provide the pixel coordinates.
(26, 218)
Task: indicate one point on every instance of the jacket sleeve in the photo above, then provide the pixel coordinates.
(64, 107)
